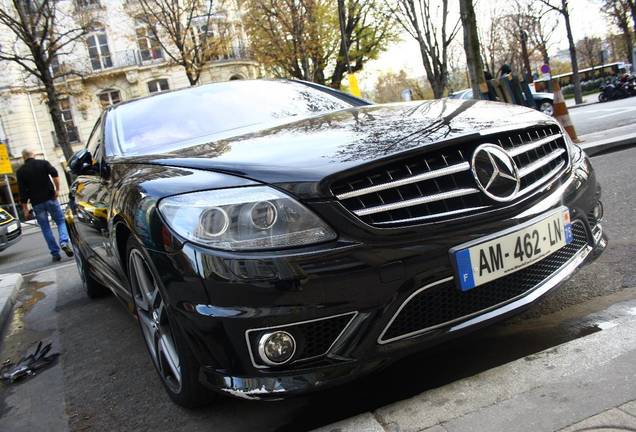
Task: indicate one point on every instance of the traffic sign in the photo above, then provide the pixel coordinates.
(5, 163)
(545, 69)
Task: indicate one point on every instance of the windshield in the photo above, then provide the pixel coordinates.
(165, 121)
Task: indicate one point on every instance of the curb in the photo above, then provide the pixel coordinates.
(596, 147)
(567, 383)
(10, 284)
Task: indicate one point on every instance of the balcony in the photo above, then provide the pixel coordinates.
(118, 60)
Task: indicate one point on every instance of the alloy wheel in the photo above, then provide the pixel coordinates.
(547, 108)
(154, 322)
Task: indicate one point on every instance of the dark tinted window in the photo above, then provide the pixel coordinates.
(172, 120)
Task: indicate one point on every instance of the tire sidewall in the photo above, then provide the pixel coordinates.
(191, 394)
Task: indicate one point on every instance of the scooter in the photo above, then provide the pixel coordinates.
(612, 90)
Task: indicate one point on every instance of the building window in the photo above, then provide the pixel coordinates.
(149, 46)
(67, 118)
(158, 85)
(98, 51)
(87, 3)
(109, 97)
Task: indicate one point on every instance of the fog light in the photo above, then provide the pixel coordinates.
(276, 348)
(597, 212)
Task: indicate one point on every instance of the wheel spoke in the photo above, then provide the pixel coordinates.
(170, 354)
(150, 333)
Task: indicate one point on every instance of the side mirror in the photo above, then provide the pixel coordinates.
(81, 163)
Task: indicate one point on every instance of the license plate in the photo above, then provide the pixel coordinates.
(495, 256)
(12, 227)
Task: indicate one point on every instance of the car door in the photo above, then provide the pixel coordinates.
(91, 206)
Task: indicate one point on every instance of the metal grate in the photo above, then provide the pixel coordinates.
(444, 303)
(313, 338)
(439, 184)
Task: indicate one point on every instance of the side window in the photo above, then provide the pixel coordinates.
(94, 144)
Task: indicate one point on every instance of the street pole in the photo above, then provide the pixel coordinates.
(15, 209)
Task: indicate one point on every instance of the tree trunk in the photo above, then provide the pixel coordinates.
(438, 86)
(471, 46)
(53, 103)
(578, 97)
(629, 45)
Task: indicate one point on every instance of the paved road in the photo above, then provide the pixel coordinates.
(604, 116)
(29, 254)
(105, 379)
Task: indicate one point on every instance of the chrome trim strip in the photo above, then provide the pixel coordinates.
(557, 277)
(416, 201)
(540, 162)
(533, 145)
(542, 180)
(464, 166)
(249, 346)
(527, 297)
(402, 306)
(436, 215)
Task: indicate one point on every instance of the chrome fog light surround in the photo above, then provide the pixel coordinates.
(597, 211)
(276, 348)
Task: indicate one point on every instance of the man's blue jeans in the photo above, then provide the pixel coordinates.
(42, 212)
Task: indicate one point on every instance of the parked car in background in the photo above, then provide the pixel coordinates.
(10, 230)
(279, 237)
(544, 101)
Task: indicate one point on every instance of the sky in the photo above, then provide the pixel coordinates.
(585, 18)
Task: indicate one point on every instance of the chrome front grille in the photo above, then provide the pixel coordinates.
(438, 184)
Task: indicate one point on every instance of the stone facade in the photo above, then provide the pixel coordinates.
(132, 67)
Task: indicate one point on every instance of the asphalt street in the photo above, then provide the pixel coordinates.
(608, 116)
(105, 381)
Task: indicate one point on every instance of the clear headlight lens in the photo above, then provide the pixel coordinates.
(248, 218)
(574, 150)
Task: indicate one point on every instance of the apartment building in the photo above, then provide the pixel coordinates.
(117, 60)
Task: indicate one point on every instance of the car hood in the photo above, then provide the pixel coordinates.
(309, 150)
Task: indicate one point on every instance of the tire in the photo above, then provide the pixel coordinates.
(546, 107)
(170, 354)
(602, 97)
(92, 288)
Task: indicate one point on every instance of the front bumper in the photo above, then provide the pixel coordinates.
(363, 284)
(9, 238)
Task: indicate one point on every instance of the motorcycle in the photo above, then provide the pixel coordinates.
(618, 88)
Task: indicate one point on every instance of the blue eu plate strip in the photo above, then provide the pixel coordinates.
(568, 234)
(464, 270)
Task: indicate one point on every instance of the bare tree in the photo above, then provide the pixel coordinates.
(42, 34)
(471, 45)
(190, 32)
(303, 39)
(434, 34)
(589, 49)
(561, 6)
(618, 13)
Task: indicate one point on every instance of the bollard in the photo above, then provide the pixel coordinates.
(561, 112)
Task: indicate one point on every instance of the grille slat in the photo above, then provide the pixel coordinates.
(445, 303)
(439, 184)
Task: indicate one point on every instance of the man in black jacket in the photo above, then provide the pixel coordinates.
(34, 181)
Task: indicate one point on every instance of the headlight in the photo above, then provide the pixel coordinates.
(246, 218)
(574, 150)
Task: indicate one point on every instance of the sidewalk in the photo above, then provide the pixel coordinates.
(589, 382)
(9, 285)
(587, 100)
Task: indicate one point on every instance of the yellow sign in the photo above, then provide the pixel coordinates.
(5, 163)
(353, 85)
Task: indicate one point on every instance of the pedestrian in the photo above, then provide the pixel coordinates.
(34, 182)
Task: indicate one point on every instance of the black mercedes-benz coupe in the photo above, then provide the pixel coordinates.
(278, 237)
